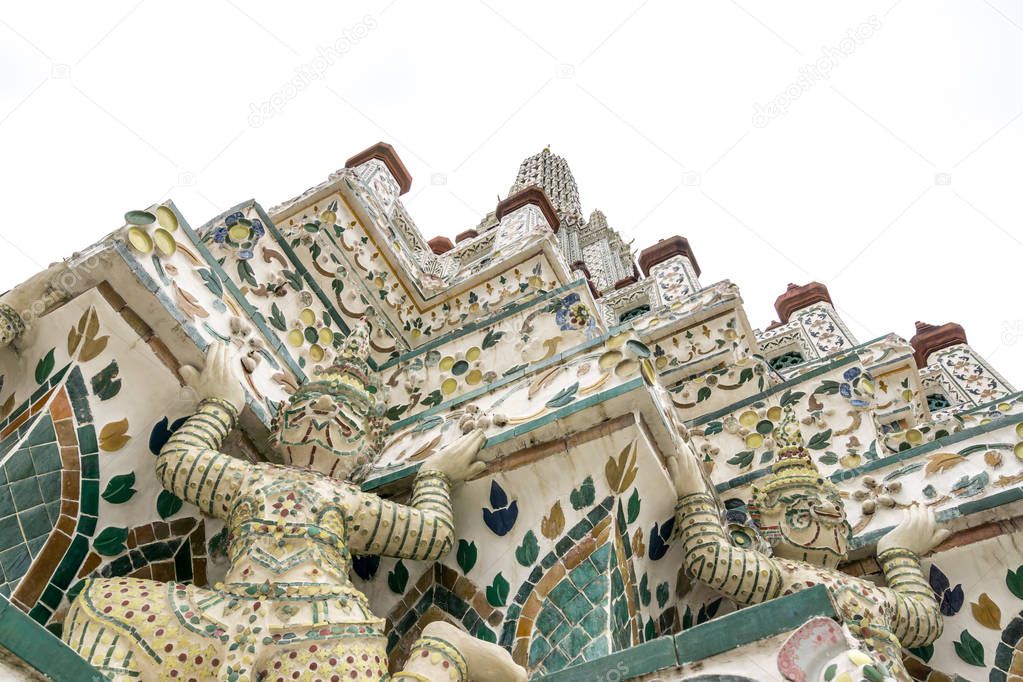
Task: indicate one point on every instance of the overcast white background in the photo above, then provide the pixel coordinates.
(895, 181)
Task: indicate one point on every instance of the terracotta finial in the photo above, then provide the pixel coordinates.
(665, 249)
(386, 153)
(530, 195)
(468, 234)
(930, 338)
(440, 245)
(626, 281)
(797, 297)
(581, 265)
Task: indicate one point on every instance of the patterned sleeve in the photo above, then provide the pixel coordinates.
(917, 619)
(11, 324)
(191, 466)
(421, 530)
(745, 575)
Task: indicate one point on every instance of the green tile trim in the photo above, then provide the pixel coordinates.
(903, 456)
(965, 509)
(936, 444)
(511, 309)
(392, 476)
(566, 411)
(1007, 398)
(561, 413)
(847, 356)
(641, 659)
(717, 636)
(503, 381)
(753, 624)
(37, 646)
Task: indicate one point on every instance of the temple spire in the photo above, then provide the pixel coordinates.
(550, 173)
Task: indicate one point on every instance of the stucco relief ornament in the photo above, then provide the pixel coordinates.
(801, 515)
(287, 608)
(21, 306)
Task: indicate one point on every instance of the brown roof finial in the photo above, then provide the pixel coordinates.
(665, 249)
(386, 153)
(930, 338)
(530, 195)
(797, 297)
(440, 245)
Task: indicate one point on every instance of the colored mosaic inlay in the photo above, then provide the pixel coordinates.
(19, 422)
(440, 593)
(286, 603)
(573, 623)
(29, 500)
(368, 353)
(49, 497)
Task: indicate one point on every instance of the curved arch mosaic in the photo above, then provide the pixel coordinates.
(439, 594)
(1009, 652)
(578, 603)
(49, 495)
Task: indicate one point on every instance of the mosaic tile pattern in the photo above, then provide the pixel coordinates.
(624, 621)
(29, 500)
(576, 547)
(49, 506)
(19, 422)
(53, 477)
(439, 593)
(573, 623)
(1008, 664)
(163, 551)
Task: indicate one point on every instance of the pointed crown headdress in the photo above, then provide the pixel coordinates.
(348, 377)
(793, 466)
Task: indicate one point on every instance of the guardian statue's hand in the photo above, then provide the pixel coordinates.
(457, 461)
(686, 473)
(218, 378)
(918, 532)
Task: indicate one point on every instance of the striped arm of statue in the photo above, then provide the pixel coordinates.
(11, 324)
(191, 466)
(433, 659)
(917, 619)
(745, 575)
(422, 529)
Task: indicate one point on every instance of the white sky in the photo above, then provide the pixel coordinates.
(105, 107)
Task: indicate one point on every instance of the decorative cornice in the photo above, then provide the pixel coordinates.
(930, 338)
(665, 249)
(530, 195)
(386, 153)
(797, 297)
